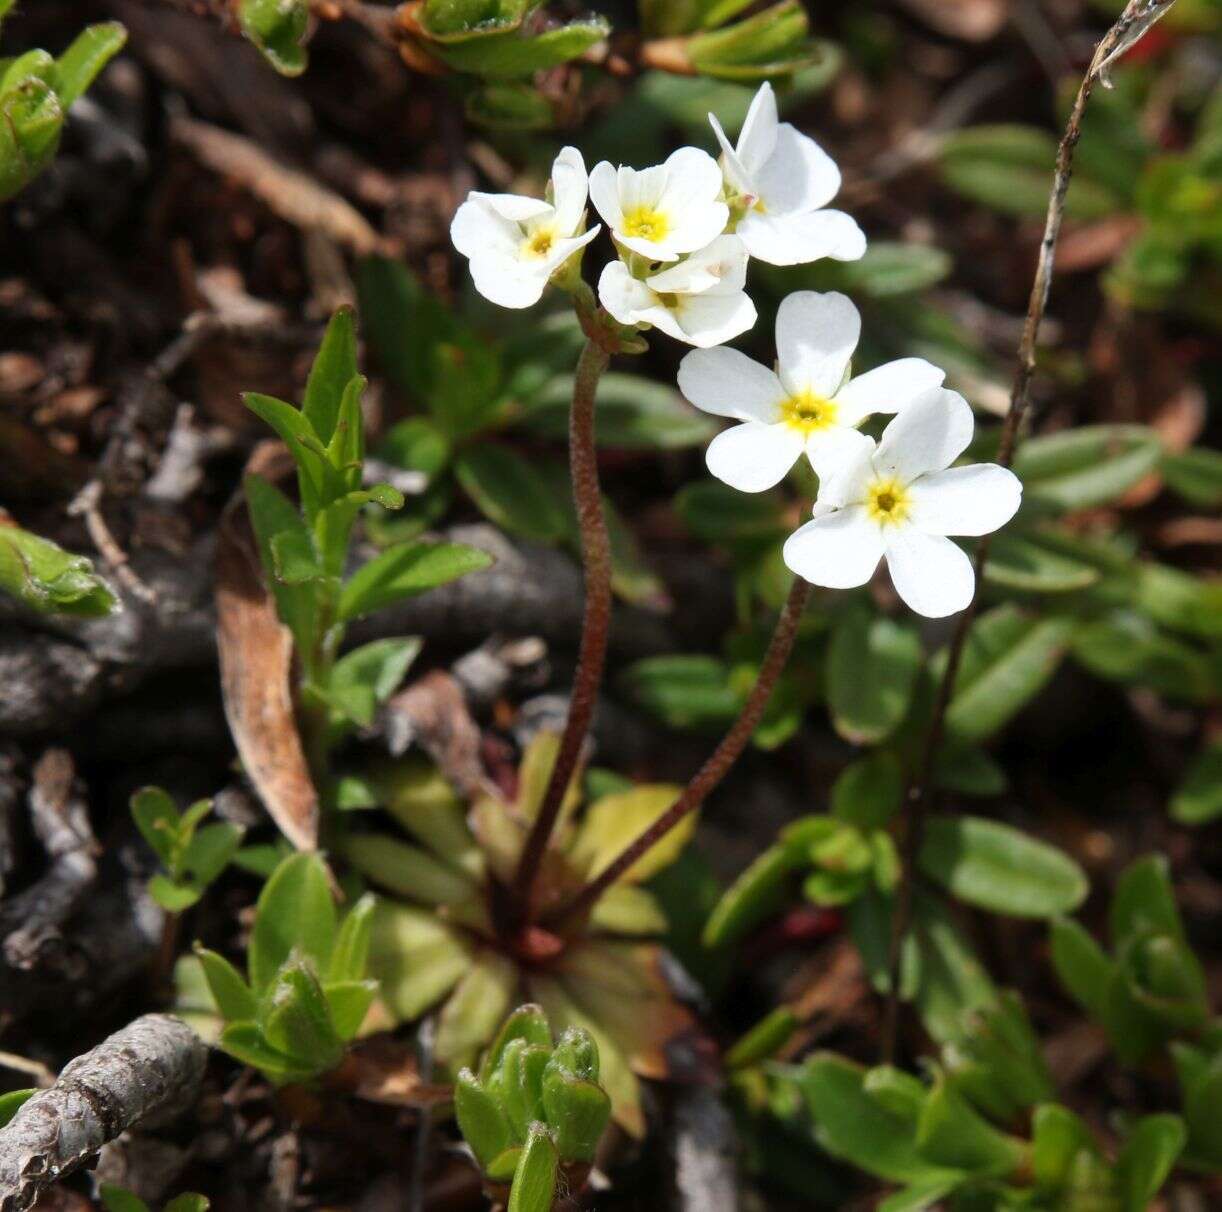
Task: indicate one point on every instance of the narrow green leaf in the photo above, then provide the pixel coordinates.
(527, 1022)
(1081, 966)
(999, 868)
(756, 893)
(211, 850)
(481, 1121)
(77, 68)
(295, 1017)
(231, 993)
(872, 665)
(577, 1114)
(406, 870)
(1144, 900)
(1087, 466)
(157, 819)
(118, 1199)
(509, 56)
(245, 1043)
(38, 572)
(404, 572)
(172, 895)
(867, 792)
(334, 367)
(509, 493)
(350, 957)
(189, 1202)
(1147, 1158)
(348, 1003)
(534, 1181)
(11, 1101)
(363, 679)
(1199, 797)
(950, 1133)
(295, 909)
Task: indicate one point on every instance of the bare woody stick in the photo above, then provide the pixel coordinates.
(1137, 17)
(150, 1069)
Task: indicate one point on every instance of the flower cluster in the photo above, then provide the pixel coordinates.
(684, 232)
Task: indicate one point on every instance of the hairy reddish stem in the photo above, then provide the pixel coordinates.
(719, 762)
(596, 561)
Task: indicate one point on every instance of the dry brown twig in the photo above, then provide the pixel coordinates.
(1138, 16)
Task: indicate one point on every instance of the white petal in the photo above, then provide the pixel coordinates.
(714, 317)
(799, 176)
(735, 170)
(757, 139)
(622, 295)
(569, 188)
(839, 550)
(846, 483)
(928, 435)
(970, 500)
(721, 264)
(830, 451)
(753, 456)
(727, 383)
(800, 239)
(887, 388)
(515, 207)
(929, 572)
(509, 283)
(562, 250)
(604, 193)
(815, 338)
(478, 229)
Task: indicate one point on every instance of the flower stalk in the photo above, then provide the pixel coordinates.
(596, 619)
(719, 762)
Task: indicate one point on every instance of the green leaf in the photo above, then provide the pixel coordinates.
(999, 868)
(118, 1199)
(189, 1202)
(480, 1120)
(1147, 1158)
(1198, 799)
(415, 956)
(633, 413)
(1058, 1138)
(867, 792)
(405, 571)
(577, 1113)
(764, 1040)
(459, 20)
(534, 1181)
(295, 910)
(406, 870)
(1196, 475)
(295, 1017)
(350, 956)
(320, 483)
(613, 822)
(1088, 466)
(231, 993)
(890, 268)
(872, 665)
(771, 43)
(855, 1127)
(1009, 657)
(509, 105)
(78, 67)
(528, 1023)
(43, 575)
(1081, 966)
(1144, 900)
(952, 981)
(363, 679)
(1009, 169)
(245, 1043)
(157, 819)
(717, 513)
(348, 1003)
(1021, 561)
(950, 1133)
(31, 120)
(474, 1010)
(334, 367)
(171, 895)
(509, 492)
(510, 55)
(11, 1101)
(758, 892)
(278, 29)
(684, 691)
(210, 851)
(416, 444)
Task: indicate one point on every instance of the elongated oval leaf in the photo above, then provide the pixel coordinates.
(295, 909)
(872, 666)
(1088, 466)
(404, 572)
(999, 868)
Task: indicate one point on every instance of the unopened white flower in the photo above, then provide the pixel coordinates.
(515, 244)
(900, 500)
(700, 300)
(782, 180)
(664, 211)
(806, 404)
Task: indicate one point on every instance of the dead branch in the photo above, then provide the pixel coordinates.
(151, 1069)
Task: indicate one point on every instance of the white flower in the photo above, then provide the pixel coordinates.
(783, 178)
(665, 211)
(701, 300)
(515, 244)
(900, 500)
(806, 404)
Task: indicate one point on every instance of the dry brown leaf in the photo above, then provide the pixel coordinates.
(971, 20)
(256, 654)
(385, 1071)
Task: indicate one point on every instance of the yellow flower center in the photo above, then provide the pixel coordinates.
(807, 412)
(888, 502)
(645, 223)
(539, 242)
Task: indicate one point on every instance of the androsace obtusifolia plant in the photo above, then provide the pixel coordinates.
(535, 1113)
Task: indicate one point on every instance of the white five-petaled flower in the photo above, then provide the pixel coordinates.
(900, 500)
(664, 211)
(783, 179)
(700, 300)
(515, 244)
(806, 403)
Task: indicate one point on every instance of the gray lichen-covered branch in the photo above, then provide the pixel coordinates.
(150, 1070)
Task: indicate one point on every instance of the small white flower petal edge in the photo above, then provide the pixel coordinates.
(784, 179)
(664, 211)
(700, 300)
(806, 404)
(900, 500)
(515, 244)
